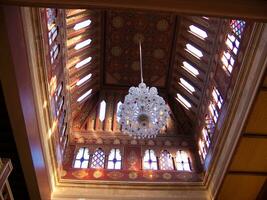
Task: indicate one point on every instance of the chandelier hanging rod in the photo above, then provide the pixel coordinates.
(140, 61)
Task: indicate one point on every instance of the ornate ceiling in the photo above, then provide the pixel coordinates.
(123, 30)
(114, 66)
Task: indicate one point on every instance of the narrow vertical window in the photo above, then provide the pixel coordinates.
(102, 111)
(150, 160)
(84, 95)
(197, 32)
(52, 34)
(84, 79)
(82, 25)
(227, 62)
(83, 62)
(217, 97)
(98, 159)
(117, 110)
(114, 159)
(206, 137)
(238, 27)
(183, 101)
(189, 68)
(82, 44)
(186, 85)
(82, 158)
(182, 161)
(194, 51)
(202, 150)
(54, 53)
(165, 161)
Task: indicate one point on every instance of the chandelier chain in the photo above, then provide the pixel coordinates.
(140, 61)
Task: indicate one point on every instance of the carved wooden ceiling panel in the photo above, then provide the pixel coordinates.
(123, 31)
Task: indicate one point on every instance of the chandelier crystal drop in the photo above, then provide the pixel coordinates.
(143, 113)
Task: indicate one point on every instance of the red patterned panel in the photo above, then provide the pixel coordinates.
(132, 158)
(123, 31)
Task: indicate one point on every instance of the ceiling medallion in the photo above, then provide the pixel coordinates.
(144, 113)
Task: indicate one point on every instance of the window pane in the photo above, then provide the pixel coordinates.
(77, 164)
(110, 165)
(80, 153)
(84, 164)
(118, 165)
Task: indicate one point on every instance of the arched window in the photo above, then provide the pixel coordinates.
(102, 111)
(182, 161)
(117, 110)
(98, 159)
(150, 160)
(114, 159)
(165, 160)
(82, 158)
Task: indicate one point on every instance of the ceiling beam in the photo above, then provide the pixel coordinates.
(229, 8)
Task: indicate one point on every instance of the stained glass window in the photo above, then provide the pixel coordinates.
(202, 149)
(114, 159)
(60, 105)
(150, 160)
(238, 27)
(98, 159)
(58, 91)
(165, 161)
(217, 97)
(232, 43)
(206, 137)
(52, 34)
(54, 53)
(51, 14)
(182, 161)
(82, 158)
(63, 132)
(227, 62)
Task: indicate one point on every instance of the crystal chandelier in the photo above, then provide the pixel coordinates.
(144, 113)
